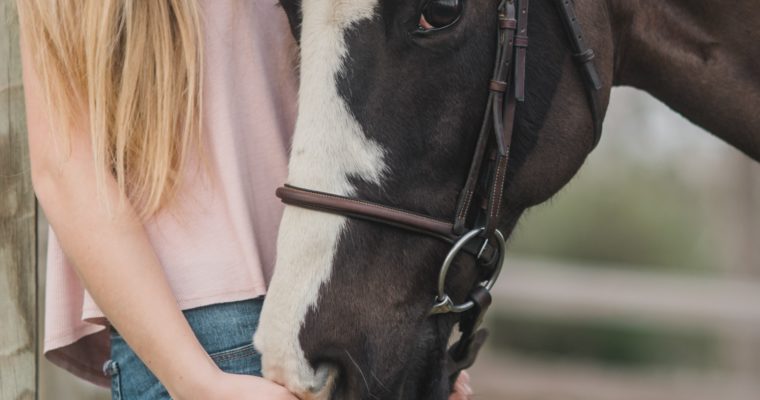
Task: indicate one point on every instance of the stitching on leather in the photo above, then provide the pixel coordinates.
(498, 188)
(468, 199)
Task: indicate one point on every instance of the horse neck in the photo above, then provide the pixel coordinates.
(700, 57)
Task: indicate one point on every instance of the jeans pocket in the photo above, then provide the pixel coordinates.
(239, 360)
(111, 368)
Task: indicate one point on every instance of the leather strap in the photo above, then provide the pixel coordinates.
(497, 128)
(486, 256)
(464, 352)
(521, 42)
(362, 209)
(584, 57)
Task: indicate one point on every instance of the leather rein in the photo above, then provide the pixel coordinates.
(474, 229)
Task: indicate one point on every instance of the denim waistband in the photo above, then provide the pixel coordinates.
(216, 324)
(225, 330)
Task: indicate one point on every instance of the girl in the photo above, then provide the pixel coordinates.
(158, 132)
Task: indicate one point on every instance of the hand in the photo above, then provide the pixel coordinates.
(226, 386)
(462, 390)
(246, 387)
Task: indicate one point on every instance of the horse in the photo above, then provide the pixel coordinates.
(389, 133)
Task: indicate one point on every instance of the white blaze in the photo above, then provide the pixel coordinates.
(328, 147)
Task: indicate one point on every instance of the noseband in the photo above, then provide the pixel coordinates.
(474, 229)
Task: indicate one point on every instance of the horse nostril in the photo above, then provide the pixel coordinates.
(325, 377)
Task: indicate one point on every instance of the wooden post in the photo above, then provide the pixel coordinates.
(18, 261)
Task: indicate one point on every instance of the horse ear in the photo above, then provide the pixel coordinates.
(293, 10)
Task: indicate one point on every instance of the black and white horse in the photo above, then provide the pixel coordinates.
(391, 99)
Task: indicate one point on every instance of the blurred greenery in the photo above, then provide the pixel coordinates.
(644, 217)
(613, 343)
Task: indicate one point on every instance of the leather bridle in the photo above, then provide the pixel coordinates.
(485, 181)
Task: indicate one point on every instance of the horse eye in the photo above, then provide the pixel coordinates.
(440, 13)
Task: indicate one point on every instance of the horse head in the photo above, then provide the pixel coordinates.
(392, 100)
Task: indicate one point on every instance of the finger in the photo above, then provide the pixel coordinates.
(462, 386)
(461, 391)
(464, 377)
(467, 390)
(457, 396)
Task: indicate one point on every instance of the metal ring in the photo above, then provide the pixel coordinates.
(444, 304)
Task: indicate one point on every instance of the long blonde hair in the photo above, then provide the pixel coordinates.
(135, 68)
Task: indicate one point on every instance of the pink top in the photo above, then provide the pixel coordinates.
(224, 247)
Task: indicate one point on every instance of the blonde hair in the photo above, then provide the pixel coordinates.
(134, 68)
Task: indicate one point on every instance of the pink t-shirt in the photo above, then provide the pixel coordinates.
(223, 247)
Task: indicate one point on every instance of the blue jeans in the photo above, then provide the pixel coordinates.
(226, 333)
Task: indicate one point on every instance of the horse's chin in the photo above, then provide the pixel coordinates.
(414, 384)
(410, 390)
(421, 386)
(418, 393)
(329, 376)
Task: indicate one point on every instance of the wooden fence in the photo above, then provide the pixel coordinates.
(728, 308)
(18, 287)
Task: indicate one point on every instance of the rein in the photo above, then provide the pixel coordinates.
(474, 229)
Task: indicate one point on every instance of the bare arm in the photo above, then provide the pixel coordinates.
(118, 265)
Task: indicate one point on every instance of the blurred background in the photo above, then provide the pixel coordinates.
(639, 281)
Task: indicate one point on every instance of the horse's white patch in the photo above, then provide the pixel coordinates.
(328, 147)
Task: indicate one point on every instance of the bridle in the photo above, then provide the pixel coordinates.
(485, 181)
